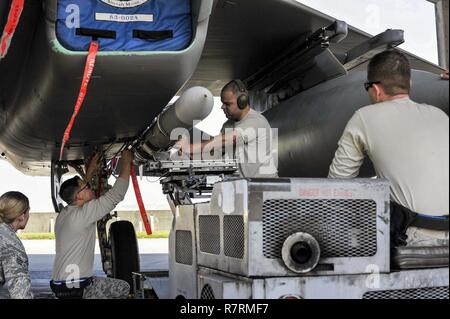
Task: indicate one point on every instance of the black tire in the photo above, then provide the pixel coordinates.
(125, 251)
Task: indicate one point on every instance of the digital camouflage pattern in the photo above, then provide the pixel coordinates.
(13, 264)
(107, 288)
(416, 237)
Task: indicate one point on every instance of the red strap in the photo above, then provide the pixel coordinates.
(89, 68)
(137, 191)
(13, 20)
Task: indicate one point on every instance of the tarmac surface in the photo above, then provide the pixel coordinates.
(41, 253)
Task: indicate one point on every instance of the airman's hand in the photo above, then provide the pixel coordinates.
(127, 157)
(92, 166)
(444, 76)
(183, 146)
(127, 160)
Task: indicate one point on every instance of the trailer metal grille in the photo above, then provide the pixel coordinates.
(417, 293)
(183, 247)
(207, 293)
(209, 231)
(234, 236)
(343, 227)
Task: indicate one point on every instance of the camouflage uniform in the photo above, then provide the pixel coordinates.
(13, 264)
(416, 237)
(106, 288)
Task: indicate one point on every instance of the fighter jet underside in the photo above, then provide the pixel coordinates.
(254, 41)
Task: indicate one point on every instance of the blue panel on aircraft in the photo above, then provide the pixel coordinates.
(133, 25)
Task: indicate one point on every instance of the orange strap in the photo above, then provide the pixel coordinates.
(13, 20)
(137, 191)
(88, 70)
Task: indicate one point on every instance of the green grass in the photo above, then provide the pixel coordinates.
(36, 236)
(51, 236)
(156, 234)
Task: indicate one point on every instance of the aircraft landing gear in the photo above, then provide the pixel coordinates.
(124, 251)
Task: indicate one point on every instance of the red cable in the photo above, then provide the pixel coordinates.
(13, 20)
(88, 70)
(137, 191)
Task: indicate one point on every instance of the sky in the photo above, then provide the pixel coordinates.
(416, 17)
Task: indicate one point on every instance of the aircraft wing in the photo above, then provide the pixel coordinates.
(40, 80)
(244, 36)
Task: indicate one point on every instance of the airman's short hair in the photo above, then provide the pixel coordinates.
(392, 69)
(69, 189)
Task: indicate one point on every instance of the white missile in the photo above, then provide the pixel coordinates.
(194, 105)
